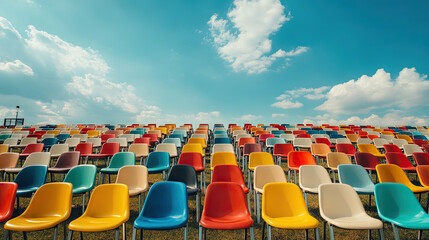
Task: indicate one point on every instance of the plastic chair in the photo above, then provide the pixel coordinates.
(83, 179)
(397, 204)
(249, 148)
(319, 150)
(141, 150)
(108, 209)
(166, 207)
(195, 160)
(401, 160)
(393, 173)
(222, 158)
(334, 159)
(4, 148)
(325, 141)
(107, 151)
(193, 147)
(136, 178)
(310, 177)
(50, 206)
(65, 162)
(380, 142)
(119, 160)
(265, 174)
(7, 199)
(284, 207)
(281, 151)
(168, 147)
(425, 147)
(341, 206)
(201, 141)
(300, 143)
(423, 173)
(409, 149)
(346, 148)
(30, 148)
(222, 147)
(8, 160)
(366, 160)
(391, 148)
(357, 177)
(49, 142)
(187, 175)
(257, 159)
(405, 137)
(225, 208)
(297, 159)
(36, 158)
(158, 162)
(421, 158)
(369, 148)
(270, 142)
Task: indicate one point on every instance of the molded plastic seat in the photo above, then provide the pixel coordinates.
(302, 143)
(341, 206)
(223, 158)
(166, 207)
(284, 207)
(334, 159)
(83, 179)
(297, 159)
(225, 208)
(222, 147)
(50, 205)
(401, 160)
(167, 147)
(281, 151)
(7, 199)
(65, 162)
(325, 141)
(393, 173)
(409, 149)
(195, 160)
(320, 150)
(141, 150)
(158, 162)
(397, 204)
(118, 160)
(107, 151)
(201, 141)
(423, 173)
(30, 148)
(421, 158)
(391, 148)
(193, 147)
(108, 209)
(36, 158)
(49, 142)
(8, 160)
(136, 178)
(369, 148)
(366, 160)
(310, 178)
(346, 148)
(357, 177)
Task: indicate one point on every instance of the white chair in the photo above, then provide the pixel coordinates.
(57, 149)
(389, 138)
(409, 149)
(220, 147)
(130, 137)
(47, 135)
(364, 141)
(399, 142)
(72, 142)
(36, 158)
(310, 177)
(300, 143)
(123, 142)
(168, 147)
(288, 136)
(342, 140)
(82, 137)
(379, 142)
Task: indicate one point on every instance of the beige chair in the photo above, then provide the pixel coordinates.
(136, 178)
(57, 149)
(72, 142)
(379, 142)
(221, 147)
(302, 143)
(123, 143)
(399, 142)
(353, 137)
(310, 177)
(96, 143)
(8, 160)
(341, 140)
(140, 149)
(340, 206)
(334, 159)
(36, 158)
(319, 150)
(265, 174)
(11, 141)
(200, 136)
(4, 148)
(130, 137)
(168, 147)
(389, 138)
(82, 137)
(409, 149)
(364, 141)
(289, 137)
(47, 135)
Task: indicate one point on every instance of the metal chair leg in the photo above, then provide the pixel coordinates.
(56, 232)
(331, 232)
(395, 232)
(134, 234)
(69, 237)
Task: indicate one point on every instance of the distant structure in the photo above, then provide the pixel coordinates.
(12, 122)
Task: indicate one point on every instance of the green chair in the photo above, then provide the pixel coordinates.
(83, 179)
(118, 160)
(397, 204)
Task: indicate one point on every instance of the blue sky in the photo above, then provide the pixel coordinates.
(260, 61)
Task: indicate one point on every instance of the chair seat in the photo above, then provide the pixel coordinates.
(12, 170)
(414, 222)
(361, 221)
(364, 190)
(92, 224)
(58, 170)
(311, 190)
(55, 155)
(80, 190)
(191, 191)
(199, 169)
(226, 222)
(409, 169)
(110, 170)
(136, 191)
(304, 221)
(99, 155)
(160, 223)
(417, 189)
(26, 191)
(157, 169)
(33, 224)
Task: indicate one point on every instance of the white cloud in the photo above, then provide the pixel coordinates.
(286, 104)
(246, 44)
(380, 91)
(249, 117)
(6, 112)
(275, 115)
(16, 67)
(5, 24)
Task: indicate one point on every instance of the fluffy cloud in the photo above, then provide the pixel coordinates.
(276, 115)
(155, 114)
(246, 44)
(380, 91)
(16, 67)
(249, 117)
(287, 100)
(286, 104)
(6, 25)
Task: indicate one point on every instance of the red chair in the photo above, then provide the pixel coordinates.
(363, 134)
(142, 140)
(281, 151)
(391, 148)
(297, 132)
(366, 160)
(85, 150)
(325, 141)
(297, 159)
(7, 199)
(304, 135)
(421, 158)
(225, 208)
(38, 136)
(263, 137)
(372, 137)
(84, 130)
(419, 142)
(104, 137)
(423, 173)
(153, 138)
(346, 148)
(425, 147)
(107, 151)
(30, 148)
(401, 160)
(195, 160)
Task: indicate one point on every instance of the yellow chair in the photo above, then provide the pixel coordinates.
(283, 206)
(164, 130)
(406, 137)
(257, 159)
(93, 133)
(394, 174)
(50, 205)
(369, 148)
(223, 158)
(4, 148)
(73, 132)
(108, 209)
(193, 147)
(55, 132)
(201, 141)
(353, 137)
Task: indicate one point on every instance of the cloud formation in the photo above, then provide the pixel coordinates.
(288, 99)
(16, 67)
(249, 117)
(244, 39)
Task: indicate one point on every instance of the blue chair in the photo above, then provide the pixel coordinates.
(49, 142)
(422, 137)
(335, 136)
(222, 140)
(29, 179)
(357, 177)
(62, 137)
(140, 132)
(182, 132)
(83, 179)
(331, 132)
(220, 132)
(158, 162)
(177, 135)
(110, 127)
(397, 204)
(277, 132)
(118, 160)
(165, 207)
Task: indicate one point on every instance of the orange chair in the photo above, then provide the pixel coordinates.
(319, 150)
(297, 159)
(369, 148)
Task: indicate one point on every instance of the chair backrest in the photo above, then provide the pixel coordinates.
(122, 141)
(299, 158)
(246, 140)
(392, 173)
(364, 141)
(8, 160)
(82, 177)
(176, 141)
(391, 148)
(421, 158)
(109, 200)
(31, 176)
(409, 149)
(193, 159)
(134, 176)
(59, 148)
(399, 142)
(320, 149)
(222, 140)
(33, 147)
(272, 141)
(311, 176)
(223, 158)
(304, 142)
(156, 159)
(369, 148)
(342, 140)
(110, 148)
(283, 200)
(398, 159)
(7, 199)
(82, 137)
(379, 142)
(193, 147)
(96, 142)
(222, 147)
(38, 158)
(228, 173)
(139, 149)
(260, 158)
(423, 173)
(72, 142)
(283, 149)
(68, 160)
(166, 199)
(11, 141)
(366, 160)
(334, 159)
(354, 175)
(322, 140)
(167, 147)
(395, 200)
(121, 159)
(129, 137)
(185, 174)
(268, 174)
(251, 147)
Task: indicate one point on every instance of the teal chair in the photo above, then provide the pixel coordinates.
(83, 179)
(397, 204)
(357, 177)
(4, 137)
(29, 179)
(158, 162)
(118, 160)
